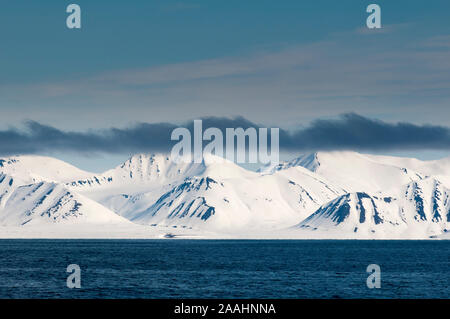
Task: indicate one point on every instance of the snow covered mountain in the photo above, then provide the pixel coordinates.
(48, 203)
(141, 169)
(421, 209)
(323, 195)
(40, 168)
(139, 174)
(355, 172)
(224, 196)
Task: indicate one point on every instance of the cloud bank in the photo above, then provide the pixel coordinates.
(349, 132)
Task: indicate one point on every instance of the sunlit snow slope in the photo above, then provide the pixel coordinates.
(325, 194)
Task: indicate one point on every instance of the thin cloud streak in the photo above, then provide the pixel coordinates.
(349, 72)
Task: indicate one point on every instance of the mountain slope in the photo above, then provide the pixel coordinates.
(225, 196)
(354, 172)
(34, 168)
(421, 210)
(140, 173)
(325, 194)
(7, 186)
(48, 203)
(429, 168)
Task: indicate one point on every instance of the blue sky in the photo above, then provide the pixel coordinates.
(279, 63)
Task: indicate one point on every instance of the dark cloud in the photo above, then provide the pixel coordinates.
(350, 131)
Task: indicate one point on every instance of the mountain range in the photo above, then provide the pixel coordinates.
(317, 195)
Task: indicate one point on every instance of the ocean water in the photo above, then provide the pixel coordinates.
(224, 269)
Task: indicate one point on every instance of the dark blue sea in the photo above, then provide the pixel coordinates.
(224, 269)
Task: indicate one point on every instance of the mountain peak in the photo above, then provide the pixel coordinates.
(36, 168)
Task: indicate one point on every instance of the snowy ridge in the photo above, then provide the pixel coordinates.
(221, 200)
(141, 169)
(47, 203)
(174, 205)
(421, 209)
(356, 172)
(308, 161)
(319, 195)
(35, 168)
